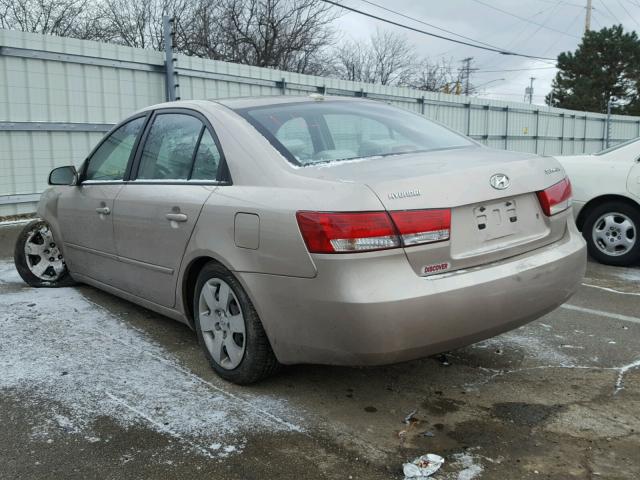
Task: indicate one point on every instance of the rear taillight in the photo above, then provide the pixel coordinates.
(325, 232)
(422, 226)
(556, 198)
(340, 232)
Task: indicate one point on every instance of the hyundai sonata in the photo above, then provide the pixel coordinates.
(310, 230)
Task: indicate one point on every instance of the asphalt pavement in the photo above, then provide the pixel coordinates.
(92, 386)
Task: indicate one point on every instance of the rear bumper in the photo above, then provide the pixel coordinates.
(374, 311)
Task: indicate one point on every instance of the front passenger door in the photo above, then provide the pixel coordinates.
(156, 211)
(85, 211)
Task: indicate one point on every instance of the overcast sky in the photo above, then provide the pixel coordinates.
(545, 28)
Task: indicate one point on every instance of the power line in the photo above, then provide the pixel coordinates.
(515, 70)
(544, 22)
(568, 4)
(507, 27)
(628, 13)
(611, 14)
(515, 42)
(553, 45)
(428, 24)
(431, 34)
(523, 18)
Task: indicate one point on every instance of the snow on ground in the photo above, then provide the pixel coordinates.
(60, 348)
(535, 345)
(628, 274)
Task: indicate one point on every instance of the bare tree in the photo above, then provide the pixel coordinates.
(385, 58)
(139, 23)
(285, 34)
(68, 18)
(293, 35)
(434, 77)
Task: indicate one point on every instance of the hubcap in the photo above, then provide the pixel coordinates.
(614, 234)
(43, 255)
(222, 323)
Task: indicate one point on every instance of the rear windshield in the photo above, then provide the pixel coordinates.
(318, 132)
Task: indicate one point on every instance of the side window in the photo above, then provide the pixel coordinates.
(109, 161)
(207, 160)
(295, 136)
(168, 149)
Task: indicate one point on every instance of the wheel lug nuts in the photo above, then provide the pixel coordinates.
(46, 251)
(59, 257)
(51, 259)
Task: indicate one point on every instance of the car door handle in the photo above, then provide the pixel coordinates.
(176, 217)
(103, 210)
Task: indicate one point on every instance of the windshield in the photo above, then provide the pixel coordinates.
(616, 147)
(324, 131)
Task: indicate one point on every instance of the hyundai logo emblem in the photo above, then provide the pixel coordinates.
(499, 181)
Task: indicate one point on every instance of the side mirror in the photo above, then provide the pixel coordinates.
(63, 176)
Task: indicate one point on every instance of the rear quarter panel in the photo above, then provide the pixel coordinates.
(281, 249)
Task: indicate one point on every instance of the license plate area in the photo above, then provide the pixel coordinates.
(496, 219)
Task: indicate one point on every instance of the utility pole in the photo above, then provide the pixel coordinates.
(466, 74)
(528, 92)
(587, 20)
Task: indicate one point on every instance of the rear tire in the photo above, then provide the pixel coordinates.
(38, 257)
(229, 329)
(611, 232)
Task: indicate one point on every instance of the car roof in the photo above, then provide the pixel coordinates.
(248, 102)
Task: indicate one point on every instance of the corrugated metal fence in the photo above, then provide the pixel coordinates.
(58, 96)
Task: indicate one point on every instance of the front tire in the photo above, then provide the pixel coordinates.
(229, 329)
(611, 232)
(38, 258)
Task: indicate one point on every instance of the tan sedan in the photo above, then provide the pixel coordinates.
(310, 230)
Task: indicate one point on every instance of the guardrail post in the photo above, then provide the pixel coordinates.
(537, 112)
(608, 131)
(487, 112)
(171, 76)
(506, 128)
(562, 115)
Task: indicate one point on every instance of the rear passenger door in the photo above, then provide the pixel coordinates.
(175, 171)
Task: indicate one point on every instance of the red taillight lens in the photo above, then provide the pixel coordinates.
(556, 198)
(338, 232)
(422, 226)
(325, 232)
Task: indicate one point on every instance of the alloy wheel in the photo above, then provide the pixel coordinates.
(43, 255)
(222, 323)
(614, 233)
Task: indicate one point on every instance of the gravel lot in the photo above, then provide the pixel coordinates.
(92, 386)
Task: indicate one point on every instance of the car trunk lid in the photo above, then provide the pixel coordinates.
(487, 223)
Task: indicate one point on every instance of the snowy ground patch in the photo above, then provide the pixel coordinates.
(57, 346)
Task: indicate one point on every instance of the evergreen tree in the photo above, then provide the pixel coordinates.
(605, 64)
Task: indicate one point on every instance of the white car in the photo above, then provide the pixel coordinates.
(606, 198)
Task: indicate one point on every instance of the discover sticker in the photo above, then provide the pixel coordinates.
(436, 268)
